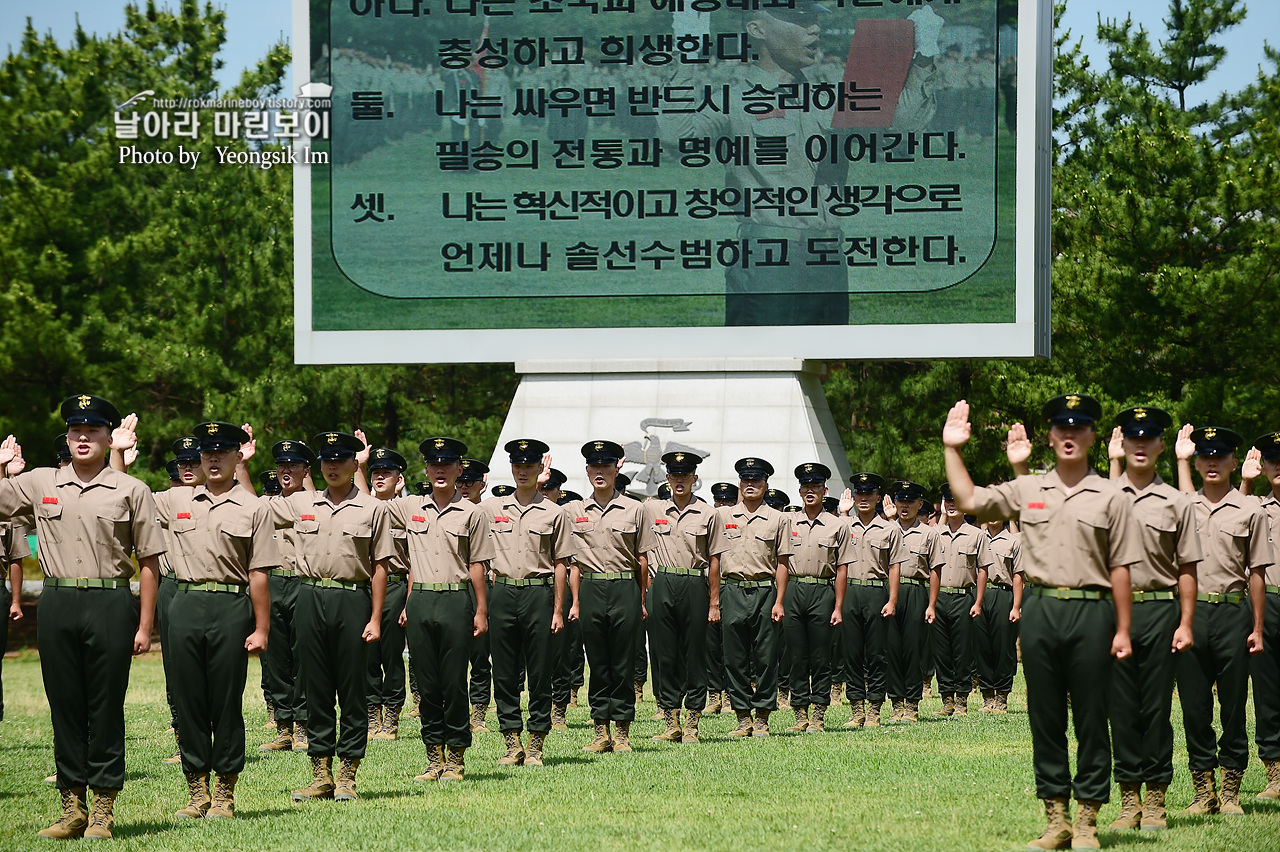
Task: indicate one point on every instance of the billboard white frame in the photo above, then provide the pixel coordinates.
(1027, 336)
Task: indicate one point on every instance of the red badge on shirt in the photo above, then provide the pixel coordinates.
(1035, 505)
(731, 526)
(419, 519)
(308, 517)
(581, 520)
(184, 516)
(793, 532)
(49, 500)
(501, 519)
(660, 520)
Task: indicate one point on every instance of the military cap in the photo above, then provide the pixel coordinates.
(1072, 409)
(382, 458)
(866, 483)
(442, 450)
(526, 450)
(724, 492)
(830, 504)
(332, 446)
(186, 449)
(568, 497)
(1216, 441)
(422, 489)
(1143, 422)
(61, 448)
(297, 452)
(753, 468)
(555, 479)
(905, 489)
(216, 435)
(473, 470)
(622, 482)
(270, 482)
(776, 499)
(87, 410)
(681, 462)
(171, 466)
(794, 508)
(944, 491)
(502, 490)
(602, 452)
(664, 491)
(802, 12)
(1269, 446)
(927, 508)
(812, 472)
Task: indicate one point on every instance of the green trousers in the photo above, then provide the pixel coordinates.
(908, 642)
(520, 627)
(1265, 668)
(640, 671)
(439, 627)
(677, 626)
(806, 630)
(210, 665)
(164, 597)
(330, 624)
(1219, 656)
(995, 641)
(717, 677)
(86, 645)
(610, 614)
(1066, 648)
(950, 639)
(283, 659)
(865, 638)
(1142, 697)
(480, 685)
(567, 658)
(386, 656)
(751, 639)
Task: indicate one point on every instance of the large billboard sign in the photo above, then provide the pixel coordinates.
(834, 179)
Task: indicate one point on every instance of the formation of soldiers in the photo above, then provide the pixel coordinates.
(1115, 587)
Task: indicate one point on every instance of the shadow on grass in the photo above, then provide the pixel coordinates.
(1112, 839)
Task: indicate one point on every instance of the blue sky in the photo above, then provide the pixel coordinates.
(254, 25)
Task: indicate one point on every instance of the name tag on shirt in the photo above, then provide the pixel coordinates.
(308, 517)
(1035, 505)
(49, 501)
(182, 516)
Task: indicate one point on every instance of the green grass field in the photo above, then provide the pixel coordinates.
(941, 784)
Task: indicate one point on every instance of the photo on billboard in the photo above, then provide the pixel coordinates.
(844, 178)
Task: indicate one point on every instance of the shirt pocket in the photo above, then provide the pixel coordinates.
(49, 522)
(358, 535)
(1092, 534)
(115, 536)
(1239, 533)
(239, 535)
(307, 527)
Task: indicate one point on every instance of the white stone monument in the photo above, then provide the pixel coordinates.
(721, 408)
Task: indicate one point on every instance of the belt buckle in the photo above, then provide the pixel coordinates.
(1062, 593)
(82, 582)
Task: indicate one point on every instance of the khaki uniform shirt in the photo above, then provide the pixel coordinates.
(1168, 523)
(13, 543)
(965, 551)
(1068, 540)
(217, 539)
(609, 539)
(336, 541)
(1006, 553)
(443, 542)
(820, 545)
(680, 539)
(922, 549)
(750, 544)
(85, 529)
(876, 547)
(528, 540)
(1271, 506)
(1235, 537)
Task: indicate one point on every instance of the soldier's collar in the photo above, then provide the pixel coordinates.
(105, 477)
(234, 494)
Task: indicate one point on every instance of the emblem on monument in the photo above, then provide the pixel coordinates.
(647, 452)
